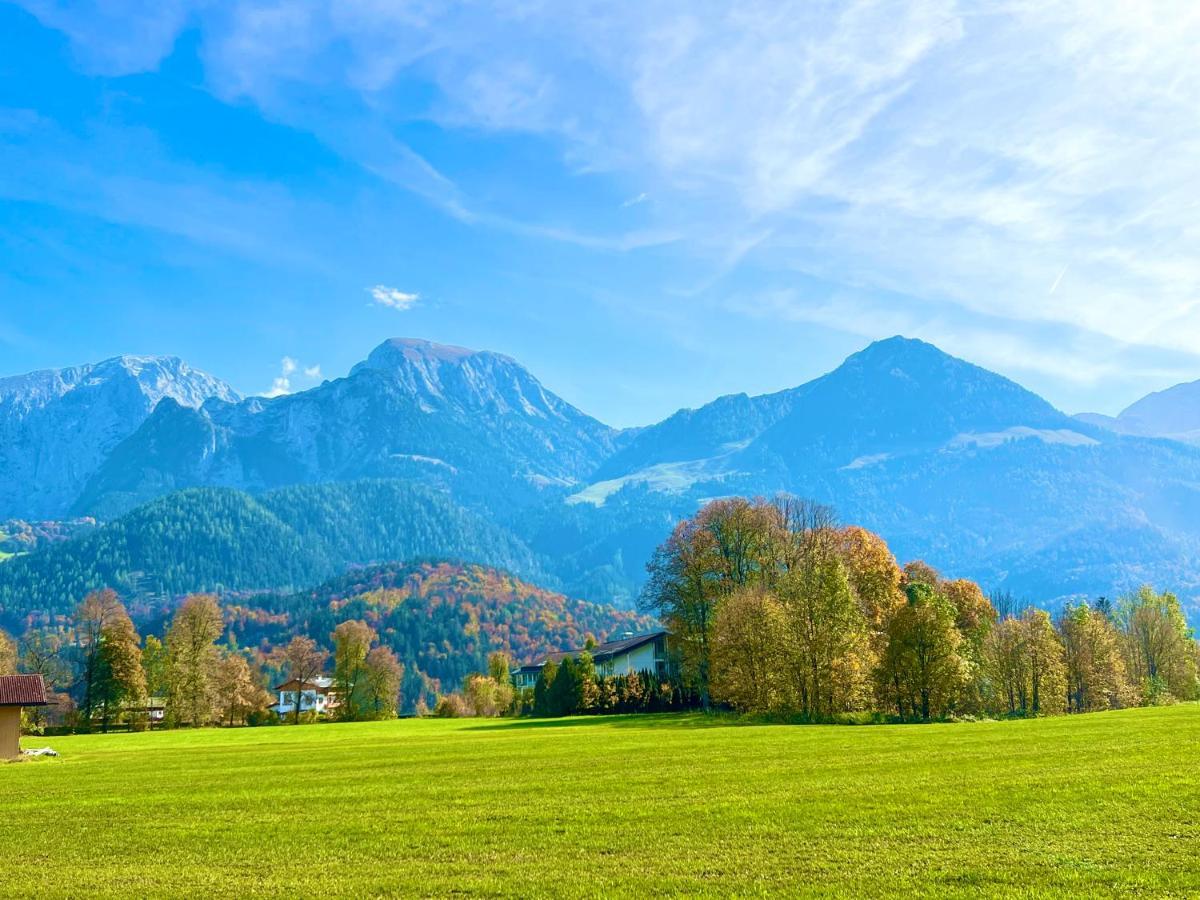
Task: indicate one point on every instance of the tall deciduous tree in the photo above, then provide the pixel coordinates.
(1095, 671)
(92, 616)
(303, 661)
(1047, 669)
(8, 654)
(156, 662)
(1023, 659)
(974, 617)
(43, 653)
(1005, 663)
(729, 544)
(1158, 647)
(922, 672)
(120, 689)
(827, 632)
(239, 694)
(351, 644)
(192, 660)
(381, 683)
(874, 576)
(749, 671)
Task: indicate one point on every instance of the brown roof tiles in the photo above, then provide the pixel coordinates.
(22, 690)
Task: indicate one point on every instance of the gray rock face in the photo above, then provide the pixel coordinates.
(58, 426)
(475, 422)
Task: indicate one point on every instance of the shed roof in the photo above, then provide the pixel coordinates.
(23, 690)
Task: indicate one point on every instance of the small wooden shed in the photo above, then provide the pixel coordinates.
(17, 691)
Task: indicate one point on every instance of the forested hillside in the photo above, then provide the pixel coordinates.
(440, 619)
(220, 539)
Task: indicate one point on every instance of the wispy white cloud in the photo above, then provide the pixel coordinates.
(952, 154)
(393, 298)
(279, 387)
(283, 382)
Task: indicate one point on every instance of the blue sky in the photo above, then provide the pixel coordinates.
(647, 204)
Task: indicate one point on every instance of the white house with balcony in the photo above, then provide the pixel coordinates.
(316, 696)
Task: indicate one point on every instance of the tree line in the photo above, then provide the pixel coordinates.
(566, 687)
(104, 675)
(772, 607)
(775, 608)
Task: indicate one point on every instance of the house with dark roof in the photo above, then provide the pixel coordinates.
(624, 656)
(17, 691)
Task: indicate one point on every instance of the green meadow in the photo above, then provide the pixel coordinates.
(1091, 805)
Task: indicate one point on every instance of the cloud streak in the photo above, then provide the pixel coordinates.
(950, 154)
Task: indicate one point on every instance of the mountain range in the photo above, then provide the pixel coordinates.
(58, 427)
(1173, 413)
(475, 422)
(948, 461)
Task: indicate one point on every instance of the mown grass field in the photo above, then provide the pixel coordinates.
(1093, 805)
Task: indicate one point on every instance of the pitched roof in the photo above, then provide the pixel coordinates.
(609, 649)
(323, 684)
(23, 690)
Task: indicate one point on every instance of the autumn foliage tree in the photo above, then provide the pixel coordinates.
(303, 660)
(352, 642)
(826, 654)
(771, 606)
(111, 677)
(922, 670)
(749, 637)
(8, 654)
(1096, 677)
(237, 689)
(381, 683)
(1023, 662)
(122, 683)
(1158, 649)
(730, 544)
(192, 660)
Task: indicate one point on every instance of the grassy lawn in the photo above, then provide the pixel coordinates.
(1091, 805)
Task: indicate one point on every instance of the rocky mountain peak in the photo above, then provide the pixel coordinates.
(57, 426)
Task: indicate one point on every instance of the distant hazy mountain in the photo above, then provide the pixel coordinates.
(474, 421)
(948, 461)
(58, 426)
(1173, 413)
(893, 399)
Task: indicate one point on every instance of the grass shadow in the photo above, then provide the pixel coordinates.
(630, 720)
(697, 719)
